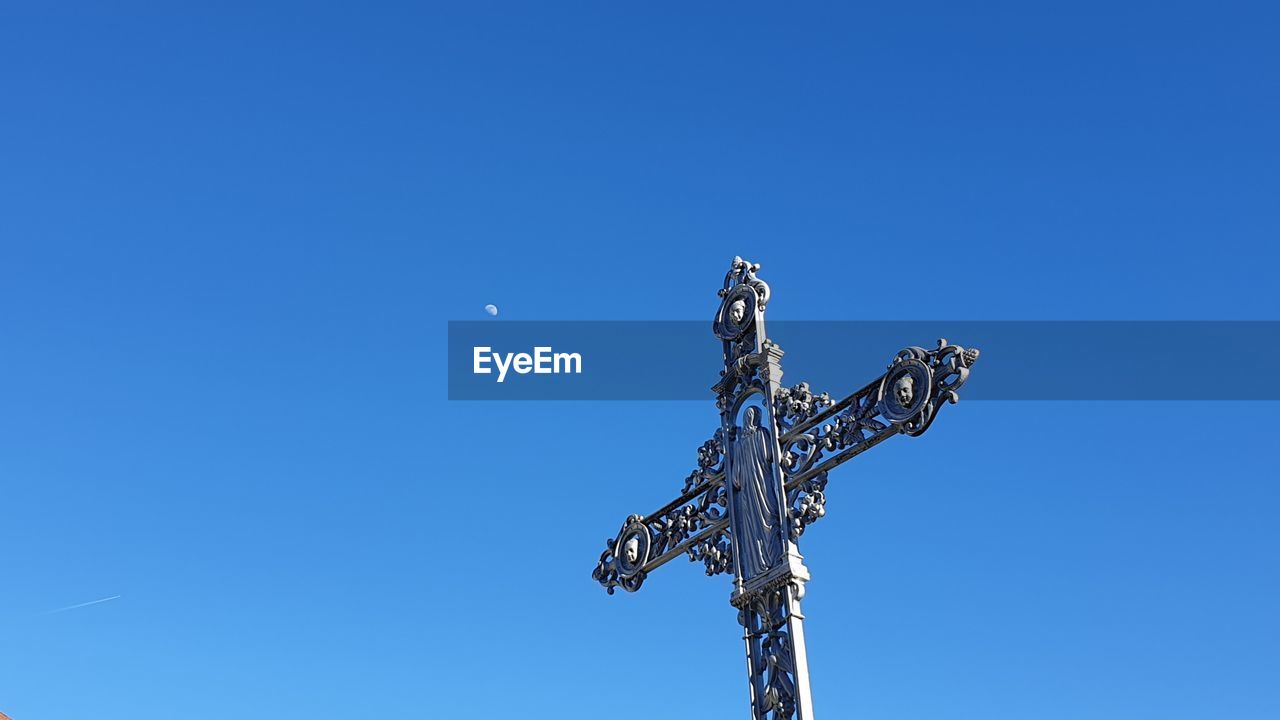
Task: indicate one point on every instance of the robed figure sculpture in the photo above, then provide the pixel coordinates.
(755, 497)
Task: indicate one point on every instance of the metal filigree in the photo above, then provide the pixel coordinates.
(710, 457)
(713, 549)
(739, 322)
(815, 442)
(797, 404)
(694, 524)
(770, 620)
(807, 503)
(761, 482)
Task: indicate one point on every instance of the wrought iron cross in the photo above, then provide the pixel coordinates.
(761, 478)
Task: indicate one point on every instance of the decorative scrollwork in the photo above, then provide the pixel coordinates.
(818, 435)
(765, 617)
(621, 563)
(710, 459)
(771, 436)
(743, 272)
(695, 524)
(948, 369)
(858, 423)
(688, 520)
(807, 500)
(808, 503)
(739, 321)
(715, 551)
(743, 375)
(797, 404)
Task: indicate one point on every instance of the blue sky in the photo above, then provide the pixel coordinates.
(232, 237)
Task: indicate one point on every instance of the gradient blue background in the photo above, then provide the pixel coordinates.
(231, 236)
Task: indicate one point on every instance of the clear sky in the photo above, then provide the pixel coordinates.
(231, 237)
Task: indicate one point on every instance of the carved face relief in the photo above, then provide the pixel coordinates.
(904, 390)
(737, 311)
(631, 549)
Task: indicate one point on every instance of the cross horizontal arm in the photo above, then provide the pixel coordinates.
(817, 435)
(695, 523)
(678, 519)
(854, 428)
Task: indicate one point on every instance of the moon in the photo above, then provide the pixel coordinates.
(491, 309)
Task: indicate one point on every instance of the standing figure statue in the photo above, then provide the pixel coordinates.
(755, 497)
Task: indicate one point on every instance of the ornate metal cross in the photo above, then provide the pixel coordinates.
(760, 483)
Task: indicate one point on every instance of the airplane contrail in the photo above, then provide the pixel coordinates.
(83, 604)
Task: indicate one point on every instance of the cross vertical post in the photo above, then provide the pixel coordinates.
(761, 481)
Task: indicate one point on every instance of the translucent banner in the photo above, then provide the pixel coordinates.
(1021, 360)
